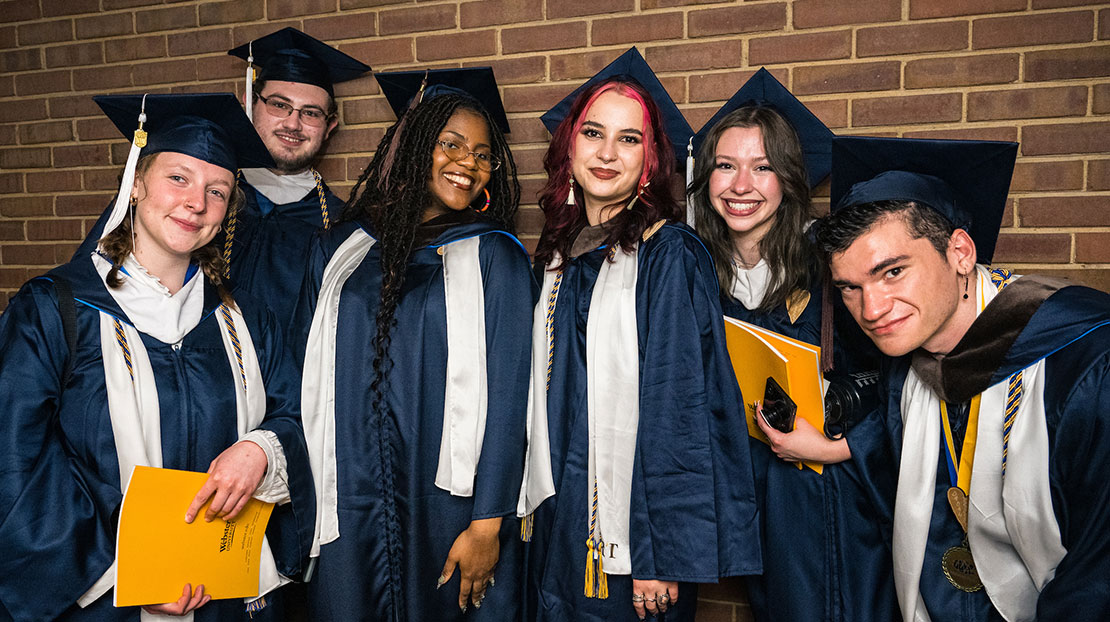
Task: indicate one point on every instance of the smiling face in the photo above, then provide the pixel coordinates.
(743, 188)
(454, 185)
(181, 202)
(292, 143)
(608, 155)
(901, 291)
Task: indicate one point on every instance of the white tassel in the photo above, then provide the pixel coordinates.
(123, 198)
(570, 195)
(248, 90)
(689, 180)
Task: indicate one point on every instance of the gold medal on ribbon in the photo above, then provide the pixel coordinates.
(959, 568)
(957, 499)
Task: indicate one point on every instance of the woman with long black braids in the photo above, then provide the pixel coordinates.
(415, 321)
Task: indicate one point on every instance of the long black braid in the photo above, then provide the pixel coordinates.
(391, 195)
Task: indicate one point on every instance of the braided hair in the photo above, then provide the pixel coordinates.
(391, 195)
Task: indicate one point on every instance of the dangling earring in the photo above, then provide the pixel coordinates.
(486, 206)
(570, 195)
(966, 281)
(132, 206)
(639, 193)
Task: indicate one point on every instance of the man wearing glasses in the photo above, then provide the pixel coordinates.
(292, 106)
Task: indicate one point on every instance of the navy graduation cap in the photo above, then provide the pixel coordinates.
(631, 65)
(762, 89)
(966, 181)
(209, 126)
(290, 55)
(478, 83)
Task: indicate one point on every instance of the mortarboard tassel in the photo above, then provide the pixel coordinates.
(248, 90)
(123, 198)
(387, 165)
(591, 557)
(689, 180)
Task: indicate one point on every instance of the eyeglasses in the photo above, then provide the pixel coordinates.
(486, 161)
(278, 108)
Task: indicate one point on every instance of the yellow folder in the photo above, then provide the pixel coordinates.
(757, 353)
(157, 552)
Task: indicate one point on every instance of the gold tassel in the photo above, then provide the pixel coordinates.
(602, 580)
(526, 528)
(591, 555)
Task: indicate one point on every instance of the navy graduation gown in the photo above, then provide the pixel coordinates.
(268, 247)
(59, 475)
(826, 553)
(352, 580)
(693, 515)
(1071, 332)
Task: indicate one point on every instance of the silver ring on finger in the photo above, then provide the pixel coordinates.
(664, 597)
(650, 600)
(637, 598)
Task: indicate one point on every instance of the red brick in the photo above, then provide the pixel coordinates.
(19, 11)
(1073, 211)
(53, 181)
(29, 255)
(456, 45)
(529, 161)
(636, 28)
(831, 112)
(820, 13)
(101, 178)
(8, 39)
(27, 157)
(1104, 24)
(371, 110)
(222, 13)
(98, 128)
(529, 129)
(95, 26)
(356, 4)
(11, 230)
(514, 70)
(1089, 61)
(42, 82)
(721, 86)
(847, 78)
(912, 38)
(23, 206)
(23, 59)
(125, 4)
(69, 7)
(355, 166)
(199, 41)
(11, 183)
(382, 51)
(75, 55)
(1065, 138)
(183, 70)
(734, 20)
(7, 86)
(48, 132)
(493, 12)
(7, 135)
(578, 8)
(686, 57)
(792, 48)
(547, 37)
(660, 4)
(1005, 133)
(75, 156)
(280, 9)
(906, 110)
(1033, 176)
(82, 205)
(1036, 29)
(347, 26)
(1056, 4)
(1027, 103)
(14, 277)
(359, 87)
(1098, 175)
(135, 48)
(924, 9)
(529, 218)
(45, 32)
(53, 229)
(1092, 247)
(962, 71)
(530, 189)
(535, 98)
(1033, 247)
(100, 78)
(417, 19)
(354, 140)
(580, 64)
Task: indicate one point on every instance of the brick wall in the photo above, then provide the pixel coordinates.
(1035, 71)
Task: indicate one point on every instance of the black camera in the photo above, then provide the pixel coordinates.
(848, 398)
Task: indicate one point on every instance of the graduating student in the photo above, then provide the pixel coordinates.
(415, 327)
(292, 105)
(997, 389)
(824, 555)
(140, 355)
(636, 484)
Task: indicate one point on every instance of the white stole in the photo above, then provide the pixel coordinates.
(1012, 530)
(133, 404)
(749, 285)
(538, 483)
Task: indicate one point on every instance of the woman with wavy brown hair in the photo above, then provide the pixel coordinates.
(630, 468)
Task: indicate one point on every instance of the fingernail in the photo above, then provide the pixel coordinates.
(492, 581)
(439, 582)
(478, 605)
(463, 608)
